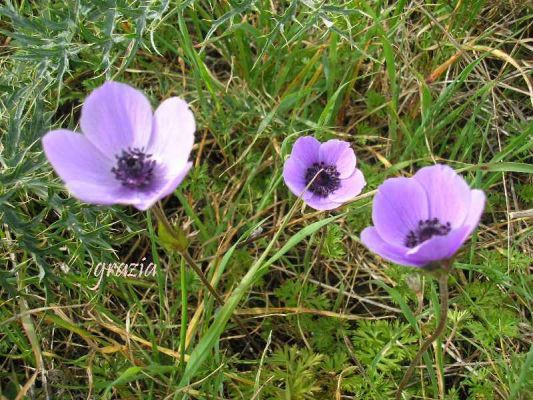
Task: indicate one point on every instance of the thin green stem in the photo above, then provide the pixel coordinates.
(183, 327)
(158, 211)
(443, 289)
(202, 277)
(185, 254)
(160, 278)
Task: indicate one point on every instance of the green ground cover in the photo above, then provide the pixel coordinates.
(407, 83)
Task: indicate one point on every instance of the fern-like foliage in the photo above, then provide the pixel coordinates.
(383, 346)
(334, 242)
(295, 371)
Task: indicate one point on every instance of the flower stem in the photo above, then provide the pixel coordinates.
(183, 327)
(185, 254)
(443, 289)
(180, 238)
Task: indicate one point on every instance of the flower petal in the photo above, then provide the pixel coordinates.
(306, 149)
(173, 133)
(321, 203)
(350, 187)
(399, 205)
(84, 169)
(116, 116)
(438, 247)
(396, 254)
(339, 153)
(294, 175)
(448, 193)
(477, 205)
(167, 187)
(101, 194)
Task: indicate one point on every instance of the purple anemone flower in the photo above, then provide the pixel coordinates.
(127, 153)
(323, 174)
(423, 219)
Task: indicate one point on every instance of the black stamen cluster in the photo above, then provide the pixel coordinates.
(134, 168)
(327, 180)
(426, 230)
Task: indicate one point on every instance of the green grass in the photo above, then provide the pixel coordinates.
(408, 83)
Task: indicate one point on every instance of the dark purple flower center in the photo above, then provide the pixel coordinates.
(134, 168)
(327, 179)
(426, 230)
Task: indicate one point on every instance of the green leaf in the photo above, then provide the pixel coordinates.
(128, 375)
(172, 241)
(203, 350)
(509, 167)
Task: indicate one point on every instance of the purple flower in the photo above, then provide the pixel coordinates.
(423, 219)
(323, 174)
(127, 154)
